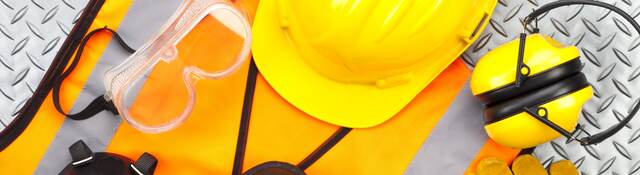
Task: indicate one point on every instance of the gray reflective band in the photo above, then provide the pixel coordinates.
(455, 141)
(144, 18)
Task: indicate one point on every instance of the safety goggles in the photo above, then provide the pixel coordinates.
(154, 89)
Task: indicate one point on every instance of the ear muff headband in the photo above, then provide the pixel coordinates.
(521, 67)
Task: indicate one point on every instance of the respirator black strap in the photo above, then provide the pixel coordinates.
(324, 148)
(596, 138)
(98, 104)
(243, 134)
(245, 118)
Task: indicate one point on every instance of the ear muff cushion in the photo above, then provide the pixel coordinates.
(515, 105)
(534, 82)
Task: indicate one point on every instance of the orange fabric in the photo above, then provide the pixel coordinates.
(493, 149)
(24, 154)
(205, 143)
(249, 7)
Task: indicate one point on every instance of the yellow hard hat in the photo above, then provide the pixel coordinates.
(357, 63)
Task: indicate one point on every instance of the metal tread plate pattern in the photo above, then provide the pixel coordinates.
(31, 33)
(609, 53)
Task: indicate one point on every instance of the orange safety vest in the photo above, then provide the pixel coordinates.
(206, 142)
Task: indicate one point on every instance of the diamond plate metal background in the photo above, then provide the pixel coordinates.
(609, 50)
(31, 33)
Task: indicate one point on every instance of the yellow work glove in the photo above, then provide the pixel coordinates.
(524, 165)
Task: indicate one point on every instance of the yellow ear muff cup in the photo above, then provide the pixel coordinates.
(497, 69)
(552, 84)
(508, 124)
(537, 81)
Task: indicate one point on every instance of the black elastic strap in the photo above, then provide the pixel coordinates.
(146, 164)
(243, 132)
(324, 148)
(80, 153)
(599, 137)
(98, 104)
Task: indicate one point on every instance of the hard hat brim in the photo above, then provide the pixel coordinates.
(343, 104)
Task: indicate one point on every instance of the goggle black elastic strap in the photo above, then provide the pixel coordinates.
(523, 70)
(99, 103)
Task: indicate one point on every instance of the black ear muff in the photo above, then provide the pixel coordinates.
(514, 105)
(537, 81)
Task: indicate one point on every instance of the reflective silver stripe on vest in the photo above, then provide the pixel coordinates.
(455, 141)
(144, 18)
